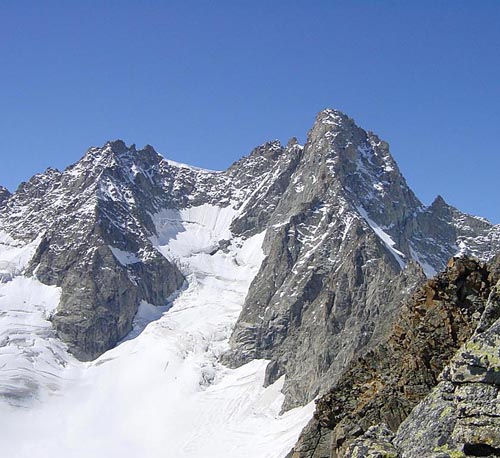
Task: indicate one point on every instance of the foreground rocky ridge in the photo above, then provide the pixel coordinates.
(414, 395)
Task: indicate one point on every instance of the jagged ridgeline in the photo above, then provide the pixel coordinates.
(346, 244)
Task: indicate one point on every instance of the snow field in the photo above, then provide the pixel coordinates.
(163, 393)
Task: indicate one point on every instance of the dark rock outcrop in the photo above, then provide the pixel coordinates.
(461, 416)
(382, 388)
(83, 217)
(4, 195)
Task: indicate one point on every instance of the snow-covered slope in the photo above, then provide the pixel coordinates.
(33, 361)
(163, 392)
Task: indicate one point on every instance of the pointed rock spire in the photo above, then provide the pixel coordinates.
(4, 194)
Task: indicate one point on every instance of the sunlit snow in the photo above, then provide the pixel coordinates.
(164, 393)
(385, 237)
(124, 257)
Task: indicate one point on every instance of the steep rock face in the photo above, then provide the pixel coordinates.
(268, 171)
(318, 297)
(93, 225)
(339, 247)
(4, 195)
(440, 231)
(362, 414)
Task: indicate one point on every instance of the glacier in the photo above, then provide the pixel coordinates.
(161, 392)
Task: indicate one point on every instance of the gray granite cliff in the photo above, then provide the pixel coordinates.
(345, 245)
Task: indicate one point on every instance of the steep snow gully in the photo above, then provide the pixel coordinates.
(161, 392)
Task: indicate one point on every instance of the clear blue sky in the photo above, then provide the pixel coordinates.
(204, 82)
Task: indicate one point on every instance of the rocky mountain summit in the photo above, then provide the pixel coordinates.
(345, 247)
(347, 244)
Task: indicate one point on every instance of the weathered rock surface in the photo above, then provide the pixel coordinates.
(84, 218)
(461, 417)
(4, 195)
(381, 388)
(339, 247)
(376, 442)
